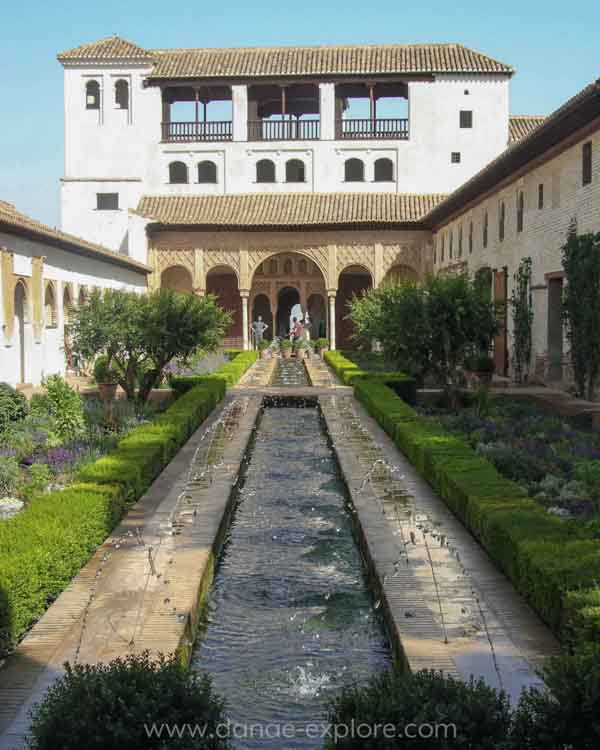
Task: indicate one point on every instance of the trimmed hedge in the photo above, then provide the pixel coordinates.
(42, 548)
(554, 563)
(349, 372)
(231, 372)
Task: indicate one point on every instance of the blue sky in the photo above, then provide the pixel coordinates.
(553, 46)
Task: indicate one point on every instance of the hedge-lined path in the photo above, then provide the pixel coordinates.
(438, 583)
(141, 588)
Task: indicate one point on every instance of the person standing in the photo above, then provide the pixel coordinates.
(258, 329)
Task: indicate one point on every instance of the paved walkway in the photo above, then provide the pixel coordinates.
(446, 604)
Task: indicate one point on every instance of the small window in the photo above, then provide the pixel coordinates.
(265, 171)
(451, 248)
(460, 241)
(273, 266)
(501, 221)
(455, 157)
(122, 94)
(470, 238)
(443, 247)
(541, 196)
(287, 266)
(384, 170)
(520, 210)
(435, 246)
(354, 170)
(466, 118)
(92, 95)
(178, 173)
(586, 156)
(107, 201)
(486, 223)
(295, 171)
(50, 311)
(207, 172)
(466, 92)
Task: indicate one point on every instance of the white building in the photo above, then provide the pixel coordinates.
(43, 272)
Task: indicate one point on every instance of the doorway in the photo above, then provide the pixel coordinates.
(286, 299)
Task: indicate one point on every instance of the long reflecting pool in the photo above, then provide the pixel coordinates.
(290, 618)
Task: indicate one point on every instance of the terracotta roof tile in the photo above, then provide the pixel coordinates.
(113, 47)
(257, 62)
(521, 125)
(264, 210)
(14, 222)
(254, 62)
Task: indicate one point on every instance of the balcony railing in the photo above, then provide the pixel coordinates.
(186, 132)
(391, 127)
(284, 130)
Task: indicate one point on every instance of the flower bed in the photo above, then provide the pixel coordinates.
(553, 461)
(43, 547)
(554, 563)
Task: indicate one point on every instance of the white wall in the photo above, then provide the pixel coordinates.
(46, 357)
(105, 151)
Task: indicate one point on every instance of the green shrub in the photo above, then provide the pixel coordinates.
(13, 406)
(115, 705)
(43, 547)
(565, 714)
(322, 343)
(38, 479)
(103, 372)
(9, 474)
(63, 404)
(546, 558)
(477, 715)
(349, 372)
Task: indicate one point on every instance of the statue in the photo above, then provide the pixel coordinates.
(258, 329)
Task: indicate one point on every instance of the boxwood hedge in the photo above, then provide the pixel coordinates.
(554, 563)
(349, 372)
(43, 547)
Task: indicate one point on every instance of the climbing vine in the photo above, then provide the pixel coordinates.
(522, 309)
(581, 307)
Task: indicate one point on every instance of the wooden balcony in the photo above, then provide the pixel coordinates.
(388, 128)
(284, 130)
(187, 132)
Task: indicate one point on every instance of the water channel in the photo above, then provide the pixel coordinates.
(290, 617)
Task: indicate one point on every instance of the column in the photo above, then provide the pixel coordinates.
(245, 339)
(331, 321)
(327, 111)
(239, 102)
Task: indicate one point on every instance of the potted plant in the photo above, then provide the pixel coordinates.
(322, 346)
(286, 348)
(481, 366)
(263, 349)
(105, 377)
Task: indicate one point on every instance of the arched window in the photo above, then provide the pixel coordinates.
(50, 312)
(384, 170)
(122, 94)
(486, 221)
(83, 295)
(178, 173)
(501, 220)
(460, 241)
(67, 304)
(287, 266)
(520, 210)
(470, 237)
(302, 266)
(265, 170)
(295, 171)
(272, 266)
(451, 248)
(443, 254)
(92, 95)
(354, 170)
(207, 172)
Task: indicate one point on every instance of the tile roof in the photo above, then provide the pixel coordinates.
(576, 113)
(289, 210)
(256, 62)
(113, 47)
(14, 222)
(521, 125)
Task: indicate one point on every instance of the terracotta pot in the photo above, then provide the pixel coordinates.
(107, 391)
(265, 354)
(286, 353)
(322, 351)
